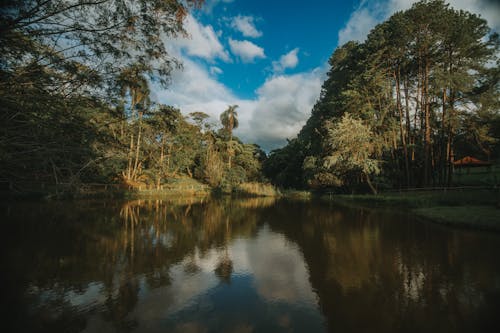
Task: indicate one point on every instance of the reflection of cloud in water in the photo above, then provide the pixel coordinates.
(277, 267)
(185, 286)
(272, 282)
(92, 295)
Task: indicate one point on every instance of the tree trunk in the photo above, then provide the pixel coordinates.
(427, 137)
(230, 150)
(137, 148)
(409, 136)
(368, 181)
(130, 154)
(451, 114)
(401, 127)
(160, 167)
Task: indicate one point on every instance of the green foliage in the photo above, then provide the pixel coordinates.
(284, 166)
(351, 150)
(425, 83)
(77, 106)
(352, 146)
(74, 89)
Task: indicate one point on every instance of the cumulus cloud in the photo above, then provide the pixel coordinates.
(283, 106)
(202, 42)
(279, 111)
(289, 279)
(289, 60)
(194, 89)
(246, 25)
(246, 50)
(369, 13)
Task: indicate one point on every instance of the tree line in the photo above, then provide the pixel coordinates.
(420, 92)
(76, 107)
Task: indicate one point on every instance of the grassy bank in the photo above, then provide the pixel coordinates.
(255, 190)
(477, 209)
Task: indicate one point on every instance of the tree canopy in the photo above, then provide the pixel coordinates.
(424, 86)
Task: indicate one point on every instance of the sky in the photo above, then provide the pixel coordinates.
(271, 57)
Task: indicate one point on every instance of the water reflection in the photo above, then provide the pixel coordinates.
(205, 265)
(377, 271)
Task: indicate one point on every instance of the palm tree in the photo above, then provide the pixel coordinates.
(229, 121)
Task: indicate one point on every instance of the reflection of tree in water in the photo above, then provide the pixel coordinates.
(118, 246)
(378, 271)
(224, 268)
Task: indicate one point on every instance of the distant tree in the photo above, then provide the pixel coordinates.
(200, 119)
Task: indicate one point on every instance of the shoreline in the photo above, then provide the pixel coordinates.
(475, 209)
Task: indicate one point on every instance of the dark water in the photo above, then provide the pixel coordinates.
(255, 265)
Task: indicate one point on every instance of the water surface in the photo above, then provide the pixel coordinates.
(254, 265)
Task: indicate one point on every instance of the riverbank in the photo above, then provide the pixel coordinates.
(175, 187)
(476, 209)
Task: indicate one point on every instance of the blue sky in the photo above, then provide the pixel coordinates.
(270, 57)
(270, 25)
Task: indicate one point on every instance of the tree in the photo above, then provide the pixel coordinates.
(133, 82)
(229, 122)
(422, 80)
(352, 150)
(63, 66)
(89, 38)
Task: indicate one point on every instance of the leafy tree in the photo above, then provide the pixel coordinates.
(424, 82)
(351, 151)
(65, 67)
(92, 39)
(133, 82)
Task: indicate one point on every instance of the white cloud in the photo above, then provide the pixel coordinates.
(289, 60)
(209, 5)
(246, 50)
(369, 13)
(360, 23)
(203, 41)
(282, 107)
(279, 111)
(214, 70)
(194, 89)
(246, 25)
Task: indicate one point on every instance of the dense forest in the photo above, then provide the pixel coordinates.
(76, 107)
(399, 108)
(395, 110)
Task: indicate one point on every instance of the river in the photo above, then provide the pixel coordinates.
(242, 265)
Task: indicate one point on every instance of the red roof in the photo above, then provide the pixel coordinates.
(470, 161)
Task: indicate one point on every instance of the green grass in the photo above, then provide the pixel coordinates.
(478, 217)
(481, 176)
(422, 199)
(470, 208)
